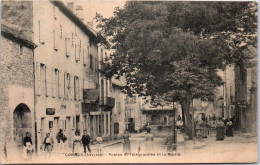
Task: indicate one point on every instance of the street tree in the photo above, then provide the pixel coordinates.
(162, 51)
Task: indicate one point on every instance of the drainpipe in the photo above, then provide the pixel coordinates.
(34, 99)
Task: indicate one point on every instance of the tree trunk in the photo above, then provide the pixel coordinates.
(183, 118)
(185, 105)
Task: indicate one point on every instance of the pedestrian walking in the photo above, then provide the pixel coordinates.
(149, 138)
(220, 130)
(99, 143)
(85, 141)
(229, 131)
(61, 139)
(76, 142)
(48, 145)
(126, 144)
(28, 148)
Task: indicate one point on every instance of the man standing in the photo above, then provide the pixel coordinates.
(85, 141)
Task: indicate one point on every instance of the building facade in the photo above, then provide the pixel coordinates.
(66, 64)
(134, 115)
(17, 92)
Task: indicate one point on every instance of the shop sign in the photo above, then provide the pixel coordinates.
(50, 111)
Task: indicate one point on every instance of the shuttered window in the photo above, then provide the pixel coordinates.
(67, 46)
(55, 40)
(77, 53)
(43, 78)
(61, 85)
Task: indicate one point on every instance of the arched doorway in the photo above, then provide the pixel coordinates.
(22, 123)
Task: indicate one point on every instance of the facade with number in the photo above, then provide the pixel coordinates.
(66, 64)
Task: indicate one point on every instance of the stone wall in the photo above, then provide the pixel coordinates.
(16, 73)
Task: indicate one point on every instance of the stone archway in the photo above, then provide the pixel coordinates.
(22, 123)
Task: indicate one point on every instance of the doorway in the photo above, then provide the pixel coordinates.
(22, 123)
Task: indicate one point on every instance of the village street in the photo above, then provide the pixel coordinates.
(242, 146)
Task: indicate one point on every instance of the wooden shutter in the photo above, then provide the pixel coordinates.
(81, 83)
(48, 81)
(53, 82)
(77, 53)
(67, 46)
(65, 86)
(61, 85)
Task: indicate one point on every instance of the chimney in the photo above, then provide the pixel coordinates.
(70, 5)
(90, 24)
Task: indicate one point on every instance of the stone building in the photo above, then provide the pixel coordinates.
(65, 64)
(17, 92)
(134, 117)
(118, 115)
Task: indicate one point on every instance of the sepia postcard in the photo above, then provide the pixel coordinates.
(116, 81)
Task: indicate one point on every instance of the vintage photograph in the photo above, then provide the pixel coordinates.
(121, 81)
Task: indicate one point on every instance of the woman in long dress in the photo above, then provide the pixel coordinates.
(149, 137)
(126, 144)
(76, 143)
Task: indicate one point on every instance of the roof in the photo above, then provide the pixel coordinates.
(74, 18)
(13, 35)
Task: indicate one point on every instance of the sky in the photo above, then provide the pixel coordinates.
(103, 7)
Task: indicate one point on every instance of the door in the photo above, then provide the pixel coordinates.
(69, 132)
(22, 123)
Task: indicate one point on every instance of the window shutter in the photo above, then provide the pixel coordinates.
(48, 81)
(65, 86)
(61, 85)
(75, 88)
(81, 82)
(72, 87)
(77, 53)
(69, 87)
(84, 54)
(55, 41)
(53, 82)
(67, 47)
(38, 78)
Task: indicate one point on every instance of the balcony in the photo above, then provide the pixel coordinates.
(108, 101)
(91, 95)
(89, 107)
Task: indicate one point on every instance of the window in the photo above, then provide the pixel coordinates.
(67, 86)
(39, 31)
(21, 49)
(43, 78)
(48, 81)
(101, 55)
(60, 31)
(96, 64)
(55, 12)
(76, 88)
(91, 62)
(76, 31)
(60, 83)
(55, 82)
(84, 57)
(55, 40)
(77, 53)
(67, 46)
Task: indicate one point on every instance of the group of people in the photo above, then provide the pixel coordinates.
(204, 124)
(48, 142)
(148, 142)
